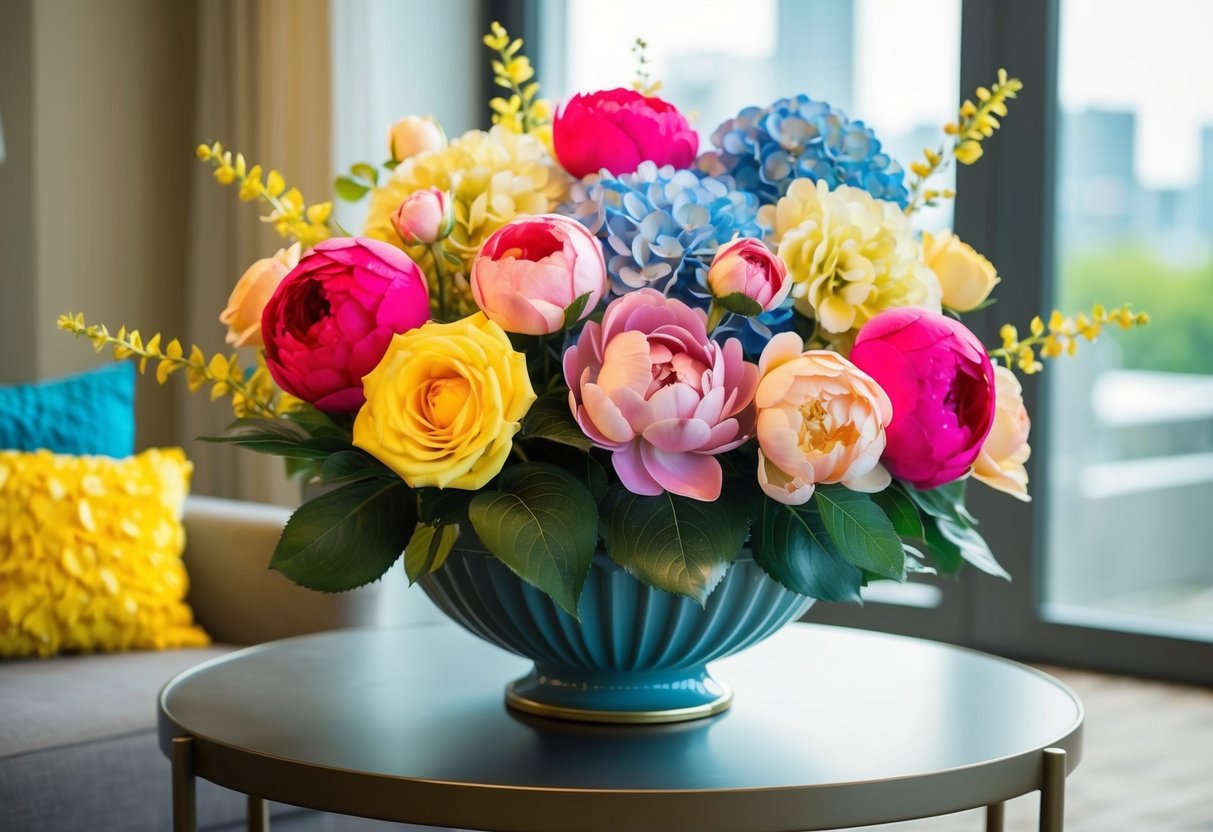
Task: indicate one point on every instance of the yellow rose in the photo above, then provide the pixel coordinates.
(443, 405)
(1001, 461)
(254, 289)
(965, 276)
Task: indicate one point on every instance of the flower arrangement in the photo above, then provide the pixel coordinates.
(576, 327)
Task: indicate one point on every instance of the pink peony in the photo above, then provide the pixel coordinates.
(530, 270)
(941, 383)
(649, 385)
(332, 317)
(747, 267)
(424, 217)
(617, 130)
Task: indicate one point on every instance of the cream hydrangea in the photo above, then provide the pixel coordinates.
(492, 177)
(849, 255)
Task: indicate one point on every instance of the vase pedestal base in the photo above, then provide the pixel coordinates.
(629, 698)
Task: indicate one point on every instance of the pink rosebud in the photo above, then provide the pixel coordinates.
(748, 268)
(649, 385)
(532, 268)
(941, 383)
(332, 317)
(617, 130)
(424, 217)
(820, 420)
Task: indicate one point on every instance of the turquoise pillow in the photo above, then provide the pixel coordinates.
(89, 413)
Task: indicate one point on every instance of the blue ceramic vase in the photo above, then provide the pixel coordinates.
(638, 654)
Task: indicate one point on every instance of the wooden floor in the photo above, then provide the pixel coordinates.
(1147, 763)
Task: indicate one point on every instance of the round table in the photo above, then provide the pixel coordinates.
(830, 728)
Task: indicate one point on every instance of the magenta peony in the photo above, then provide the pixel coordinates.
(941, 383)
(650, 386)
(617, 130)
(332, 317)
(530, 270)
(747, 267)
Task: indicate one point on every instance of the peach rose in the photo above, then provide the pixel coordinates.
(254, 289)
(1001, 461)
(820, 420)
(965, 276)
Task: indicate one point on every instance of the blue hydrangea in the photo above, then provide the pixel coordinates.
(764, 149)
(660, 227)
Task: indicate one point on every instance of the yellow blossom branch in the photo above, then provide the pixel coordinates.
(977, 122)
(1061, 335)
(523, 111)
(291, 216)
(644, 83)
(253, 394)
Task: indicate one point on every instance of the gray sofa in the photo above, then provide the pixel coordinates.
(78, 733)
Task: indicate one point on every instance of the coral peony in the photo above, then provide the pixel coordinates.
(532, 268)
(1001, 461)
(649, 385)
(618, 129)
(252, 292)
(332, 317)
(941, 383)
(820, 420)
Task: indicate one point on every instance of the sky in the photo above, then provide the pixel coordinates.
(1155, 58)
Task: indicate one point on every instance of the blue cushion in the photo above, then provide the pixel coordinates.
(89, 413)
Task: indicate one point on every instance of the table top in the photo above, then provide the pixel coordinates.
(829, 728)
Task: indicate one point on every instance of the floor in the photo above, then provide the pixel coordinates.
(1147, 763)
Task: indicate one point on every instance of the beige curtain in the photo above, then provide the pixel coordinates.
(262, 88)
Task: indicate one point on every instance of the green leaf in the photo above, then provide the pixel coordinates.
(365, 172)
(945, 501)
(349, 189)
(791, 544)
(572, 312)
(742, 305)
(596, 477)
(347, 537)
(673, 543)
(550, 418)
(317, 423)
(944, 552)
(279, 437)
(971, 546)
(542, 523)
(860, 529)
(900, 510)
(441, 506)
(428, 548)
(352, 466)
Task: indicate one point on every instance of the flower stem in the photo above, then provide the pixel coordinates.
(440, 278)
(716, 314)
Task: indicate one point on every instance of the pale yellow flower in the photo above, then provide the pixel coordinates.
(443, 405)
(966, 278)
(849, 255)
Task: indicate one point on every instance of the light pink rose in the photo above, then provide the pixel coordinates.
(941, 383)
(1001, 461)
(617, 130)
(820, 420)
(747, 267)
(532, 268)
(649, 385)
(332, 317)
(251, 293)
(424, 217)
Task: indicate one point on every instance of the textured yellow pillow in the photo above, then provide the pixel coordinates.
(90, 553)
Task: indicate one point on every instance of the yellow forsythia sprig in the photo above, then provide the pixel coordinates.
(1060, 336)
(976, 123)
(290, 215)
(523, 111)
(253, 394)
(644, 83)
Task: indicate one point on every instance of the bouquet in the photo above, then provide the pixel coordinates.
(576, 327)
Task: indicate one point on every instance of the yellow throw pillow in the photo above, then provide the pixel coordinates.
(90, 553)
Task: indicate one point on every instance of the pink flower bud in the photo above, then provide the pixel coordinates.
(424, 217)
(748, 268)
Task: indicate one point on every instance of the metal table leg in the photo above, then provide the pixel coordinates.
(185, 814)
(258, 815)
(1053, 791)
(994, 817)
